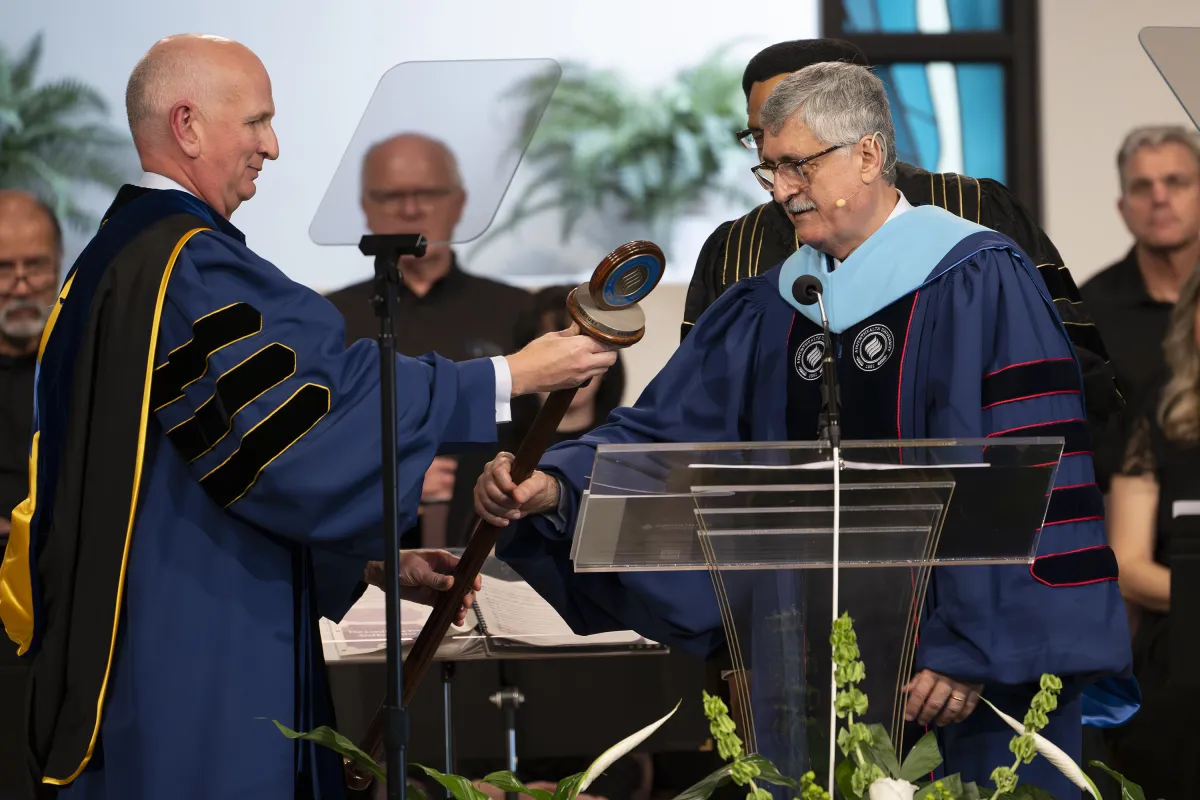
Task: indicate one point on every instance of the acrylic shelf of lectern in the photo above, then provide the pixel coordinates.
(771, 505)
(759, 518)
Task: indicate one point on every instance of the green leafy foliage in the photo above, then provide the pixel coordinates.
(941, 789)
(327, 737)
(648, 156)
(762, 769)
(1129, 789)
(923, 759)
(881, 752)
(51, 139)
(568, 787)
(768, 773)
(459, 787)
(843, 776)
(868, 748)
(510, 783)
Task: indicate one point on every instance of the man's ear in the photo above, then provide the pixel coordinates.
(183, 128)
(873, 150)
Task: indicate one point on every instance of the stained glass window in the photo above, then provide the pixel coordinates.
(962, 78)
(949, 117)
(922, 16)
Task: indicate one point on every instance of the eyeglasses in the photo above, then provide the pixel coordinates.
(425, 198)
(750, 138)
(798, 172)
(38, 274)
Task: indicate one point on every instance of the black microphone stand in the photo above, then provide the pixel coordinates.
(387, 250)
(807, 290)
(831, 396)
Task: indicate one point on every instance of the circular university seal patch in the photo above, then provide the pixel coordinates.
(872, 347)
(809, 355)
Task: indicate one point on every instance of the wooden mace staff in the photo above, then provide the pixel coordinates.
(606, 309)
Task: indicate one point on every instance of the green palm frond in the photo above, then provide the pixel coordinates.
(646, 156)
(54, 138)
(23, 68)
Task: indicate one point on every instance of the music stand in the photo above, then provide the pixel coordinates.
(532, 636)
(484, 114)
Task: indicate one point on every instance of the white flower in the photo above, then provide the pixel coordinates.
(1052, 753)
(891, 789)
(621, 748)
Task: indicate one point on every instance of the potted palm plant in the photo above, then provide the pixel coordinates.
(54, 139)
(606, 149)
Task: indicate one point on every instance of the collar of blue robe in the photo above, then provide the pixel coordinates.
(892, 262)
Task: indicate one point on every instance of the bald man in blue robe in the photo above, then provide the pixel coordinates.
(205, 470)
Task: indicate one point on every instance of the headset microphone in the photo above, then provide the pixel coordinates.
(841, 201)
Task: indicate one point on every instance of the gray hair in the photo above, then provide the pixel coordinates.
(839, 103)
(1156, 136)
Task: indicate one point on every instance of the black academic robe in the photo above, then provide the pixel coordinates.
(754, 243)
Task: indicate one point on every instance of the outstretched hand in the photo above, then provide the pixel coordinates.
(559, 360)
(933, 697)
(424, 574)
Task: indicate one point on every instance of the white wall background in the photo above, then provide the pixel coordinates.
(1096, 84)
(325, 64)
(326, 58)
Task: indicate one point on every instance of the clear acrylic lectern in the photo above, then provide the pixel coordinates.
(780, 541)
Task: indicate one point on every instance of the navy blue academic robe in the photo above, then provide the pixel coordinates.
(251, 505)
(942, 328)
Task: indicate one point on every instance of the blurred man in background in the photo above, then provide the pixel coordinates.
(30, 262)
(1131, 300)
(411, 184)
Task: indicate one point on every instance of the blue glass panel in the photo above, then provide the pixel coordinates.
(982, 109)
(973, 115)
(975, 15)
(861, 16)
(900, 16)
(913, 114)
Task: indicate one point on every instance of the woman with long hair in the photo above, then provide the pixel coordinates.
(1158, 747)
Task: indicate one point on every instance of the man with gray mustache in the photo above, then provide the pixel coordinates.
(30, 260)
(30, 263)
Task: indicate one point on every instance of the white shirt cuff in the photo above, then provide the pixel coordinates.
(503, 389)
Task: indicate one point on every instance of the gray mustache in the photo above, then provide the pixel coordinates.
(797, 205)
(27, 328)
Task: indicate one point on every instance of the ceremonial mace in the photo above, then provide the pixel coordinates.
(606, 309)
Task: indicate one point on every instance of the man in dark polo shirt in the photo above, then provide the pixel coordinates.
(411, 184)
(30, 259)
(1131, 300)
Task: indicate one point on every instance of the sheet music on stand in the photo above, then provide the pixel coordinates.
(516, 621)
(509, 621)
